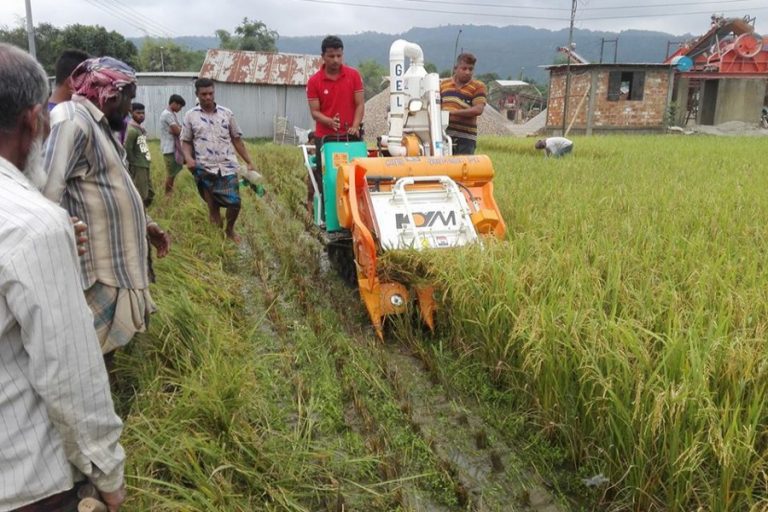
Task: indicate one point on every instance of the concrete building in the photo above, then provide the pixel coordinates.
(612, 98)
(712, 99)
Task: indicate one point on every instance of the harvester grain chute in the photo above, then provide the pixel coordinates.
(408, 193)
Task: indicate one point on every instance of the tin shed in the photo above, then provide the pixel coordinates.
(261, 87)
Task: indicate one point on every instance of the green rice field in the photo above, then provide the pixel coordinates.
(611, 351)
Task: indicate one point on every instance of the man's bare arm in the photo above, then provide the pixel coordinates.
(243, 152)
(331, 122)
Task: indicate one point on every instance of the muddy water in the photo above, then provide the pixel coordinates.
(488, 474)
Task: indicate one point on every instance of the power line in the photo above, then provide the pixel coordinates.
(537, 8)
(669, 15)
(126, 13)
(127, 18)
(643, 6)
(519, 17)
(122, 18)
(147, 20)
(440, 11)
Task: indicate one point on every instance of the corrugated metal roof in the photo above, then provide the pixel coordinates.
(615, 65)
(259, 68)
(512, 83)
(163, 74)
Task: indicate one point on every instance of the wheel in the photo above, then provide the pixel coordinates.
(748, 45)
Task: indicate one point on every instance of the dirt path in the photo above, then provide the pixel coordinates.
(431, 450)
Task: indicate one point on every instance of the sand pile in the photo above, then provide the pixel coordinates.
(375, 120)
(729, 129)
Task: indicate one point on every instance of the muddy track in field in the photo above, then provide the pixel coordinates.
(481, 466)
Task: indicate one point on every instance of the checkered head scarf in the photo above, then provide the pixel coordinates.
(101, 79)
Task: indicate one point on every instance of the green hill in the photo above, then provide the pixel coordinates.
(510, 51)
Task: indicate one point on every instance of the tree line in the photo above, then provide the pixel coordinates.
(153, 55)
(165, 55)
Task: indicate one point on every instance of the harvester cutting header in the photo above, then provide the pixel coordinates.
(408, 193)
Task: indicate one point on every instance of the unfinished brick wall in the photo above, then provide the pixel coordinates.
(647, 114)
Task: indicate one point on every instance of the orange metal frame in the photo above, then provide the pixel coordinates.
(356, 213)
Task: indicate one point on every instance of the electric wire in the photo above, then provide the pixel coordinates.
(146, 19)
(127, 13)
(629, 16)
(128, 18)
(538, 8)
(520, 17)
(121, 18)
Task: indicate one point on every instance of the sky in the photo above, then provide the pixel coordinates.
(172, 18)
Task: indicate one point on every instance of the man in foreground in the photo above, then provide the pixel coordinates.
(59, 425)
(465, 99)
(170, 131)
(88, 177)
(555, 146)
(210, 136)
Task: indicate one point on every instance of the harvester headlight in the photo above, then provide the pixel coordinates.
(415, 105)
(396, 300)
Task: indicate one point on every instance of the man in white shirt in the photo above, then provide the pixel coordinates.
(59, 425)
(555, 146)
(170, 130)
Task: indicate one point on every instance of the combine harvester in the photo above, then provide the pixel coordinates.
(409, 193)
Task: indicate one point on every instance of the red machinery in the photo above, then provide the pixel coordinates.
(731, 47)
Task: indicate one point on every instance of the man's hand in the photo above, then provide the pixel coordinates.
(114, 499)
(336, 122)
(159, 239)
(191, 164)
(354, 130)
(80, 234)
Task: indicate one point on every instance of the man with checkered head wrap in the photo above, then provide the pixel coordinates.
(87, 175)
(107, 83)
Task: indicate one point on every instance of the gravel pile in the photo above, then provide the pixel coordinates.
(534, 126)
(730, 128)
(375, 120)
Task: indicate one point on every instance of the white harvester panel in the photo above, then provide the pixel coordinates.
(421, 218)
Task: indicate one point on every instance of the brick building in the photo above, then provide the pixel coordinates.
(610, 98)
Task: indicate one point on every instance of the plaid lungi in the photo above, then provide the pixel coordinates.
(225, 190)
(118, 313)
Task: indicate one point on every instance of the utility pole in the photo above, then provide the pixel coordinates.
(162, 61)
(31, 31)
(568, 67)
(455, 48)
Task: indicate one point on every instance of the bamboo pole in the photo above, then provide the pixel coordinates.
(578, 109)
